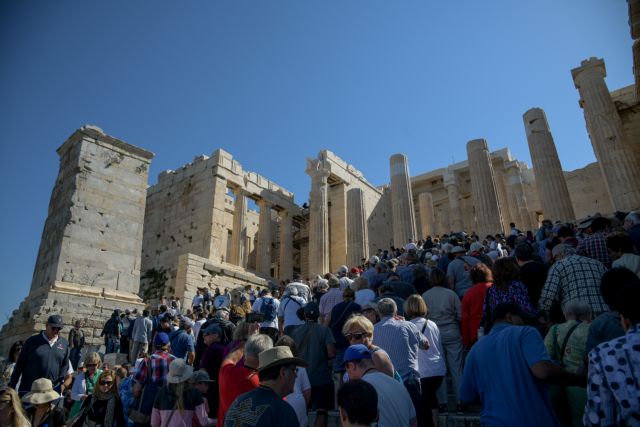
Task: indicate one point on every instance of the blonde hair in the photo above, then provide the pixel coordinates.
(357, 320)
(18, 417)
(414, 306)
(92, 358)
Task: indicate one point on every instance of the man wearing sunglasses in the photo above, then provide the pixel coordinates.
(45, 355)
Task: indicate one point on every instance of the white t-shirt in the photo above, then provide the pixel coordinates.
(395, 407)
(288, 308)
(256, 309)
(431, 361)
(197, 325)
(296, 399)
(197, 300)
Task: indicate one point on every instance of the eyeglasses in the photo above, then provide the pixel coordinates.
(88, 365)
(106, 382)
(356, 336)
(55, 328)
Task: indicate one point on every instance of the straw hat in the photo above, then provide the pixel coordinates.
(276, 356)
(41, 392)
(179, 372)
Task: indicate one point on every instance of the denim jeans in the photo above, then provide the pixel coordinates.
(112, 344)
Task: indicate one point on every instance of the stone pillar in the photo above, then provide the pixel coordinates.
(483, 185)
(239, 253)
(357, 233)
(503, 200)
(286, 246)
(337, 226)
(450, 182)
(263, 259)
(552, 187)
(516, 196)
(634, 24)
(618, 163)
(427, 221)
(402, 212)
(89, 258)
(318, 217)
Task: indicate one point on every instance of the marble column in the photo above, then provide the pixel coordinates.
(618, 163)
(425, 203)
(483, 186)
(263, 253)
(516, 196)
(318, 217)
(402, 211)
(450, 182)
(286, 245)
(552, 187)
(239, 253)
(337, 225)
(357, 233)
(507, 217)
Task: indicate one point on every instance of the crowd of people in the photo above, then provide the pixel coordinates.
(532, 328)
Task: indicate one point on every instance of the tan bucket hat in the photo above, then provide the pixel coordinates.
(41, 392)
(276, 356)
(179, 372)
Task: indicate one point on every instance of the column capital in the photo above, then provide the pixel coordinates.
(449, 178)
(588, 66)
(317, 168)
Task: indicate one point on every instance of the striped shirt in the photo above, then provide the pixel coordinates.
(401, 340)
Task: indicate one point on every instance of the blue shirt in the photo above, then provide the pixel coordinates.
(497, 373)
(401, 340)
(181, 343)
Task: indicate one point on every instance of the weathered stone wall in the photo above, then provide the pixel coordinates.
(587, 191)
(628, 105)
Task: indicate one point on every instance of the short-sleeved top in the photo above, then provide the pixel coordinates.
(287, 309)
(498, 374)
(458, 269)
(395, 408)
(444, 307)
(574, 352)
(312, 340)
(296, 398)
(257, 306)
(182, 343)
(339, 315)
(260, 407)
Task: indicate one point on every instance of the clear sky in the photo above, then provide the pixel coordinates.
(274, 82)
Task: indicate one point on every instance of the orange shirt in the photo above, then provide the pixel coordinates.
(233, 381)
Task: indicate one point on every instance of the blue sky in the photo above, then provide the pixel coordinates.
(274, 82)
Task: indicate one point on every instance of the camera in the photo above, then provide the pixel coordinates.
(254, 318)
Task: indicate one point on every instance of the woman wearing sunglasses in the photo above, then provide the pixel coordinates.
(85, 382)
(103, 407)
(11, 412)
(359, 330)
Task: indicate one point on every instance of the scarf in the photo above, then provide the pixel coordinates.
(110, 401)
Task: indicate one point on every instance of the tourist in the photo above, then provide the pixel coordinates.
(401, 340)
(358, 329)
(321, 289)
(336, 320)
(7, 366)
(11, 412)
(504, 373)
(573, 277)
(267, 305)
(45, 355)
(150, 376)
(178, 404)
(473, 302)
(111, 332)
(506, 287)
(532, 273)
(84, 383)
(316, 346)
(621, 250)
(371, 270)
(395, 407)
(141, 336)
(300, 397)
(363, 293)
(445, 310)
(632, 226)
(343, 277)
(43, 412)
(458, 271)
(264, 406)
(566, 343)
(400, 287)
(380, 274)
(76, 343)
(243, 331)
(238, 371)
(220, 318)
(103, 407)
(386, 291)
(431, 364)
(125, 391)
(357, 404)
(370, 311)
(197, 300)
(594, 246)
(211, 362)
(182, 341)
(613, 392)
(288, 318)
(332, 298)
(202, 382)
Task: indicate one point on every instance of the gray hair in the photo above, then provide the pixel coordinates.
(387, 307)
(634, 217)
(256, 344)
(563, 250)
(579, 310)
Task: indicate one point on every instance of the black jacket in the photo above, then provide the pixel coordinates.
(39, 360)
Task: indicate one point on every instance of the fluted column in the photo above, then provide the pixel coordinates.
(239, 251)
(503, 200)
(483, 186)
(402, 211)
(618, 163)
(286, 245)
(425, 202)
(338, 228)
(634, 24)
(357, 234)
(552, 187)
(263, 259)
(318, 218)
(516, 195)
(450, 182)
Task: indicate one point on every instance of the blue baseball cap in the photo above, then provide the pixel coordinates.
(161, 339)
(356, 352)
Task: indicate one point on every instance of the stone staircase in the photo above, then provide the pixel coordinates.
(447, 420)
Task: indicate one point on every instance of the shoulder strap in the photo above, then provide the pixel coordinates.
(566, 341)
(333, 323)
(424, 326)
